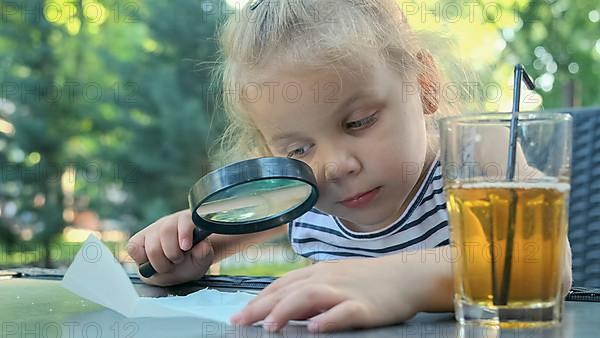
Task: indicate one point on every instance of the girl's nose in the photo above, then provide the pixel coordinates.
(340, 165)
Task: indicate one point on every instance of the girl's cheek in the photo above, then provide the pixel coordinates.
(322, 202)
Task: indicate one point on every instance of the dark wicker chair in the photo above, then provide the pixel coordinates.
(584, 219)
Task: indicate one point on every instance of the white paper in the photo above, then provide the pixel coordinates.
(96, 275)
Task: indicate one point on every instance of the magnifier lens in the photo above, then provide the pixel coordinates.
(255, 201)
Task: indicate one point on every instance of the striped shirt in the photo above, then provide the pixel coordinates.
(423, 225)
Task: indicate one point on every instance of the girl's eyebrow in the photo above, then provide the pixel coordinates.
(282, 137)
(358, 95)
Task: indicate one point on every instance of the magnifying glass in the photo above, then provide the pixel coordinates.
(249, 196)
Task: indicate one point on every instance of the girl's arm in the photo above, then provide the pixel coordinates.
(227, 245)
(356, 293)
(360, 293)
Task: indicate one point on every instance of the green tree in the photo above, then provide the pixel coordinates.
(560, 42)
(114, 95)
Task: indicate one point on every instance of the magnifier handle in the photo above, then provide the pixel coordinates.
(199, 235)
(147, 270)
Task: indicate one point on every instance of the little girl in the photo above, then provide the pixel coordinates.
(349, 89)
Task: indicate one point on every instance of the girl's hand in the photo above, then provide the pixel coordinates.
(164, 243)
(353, 293)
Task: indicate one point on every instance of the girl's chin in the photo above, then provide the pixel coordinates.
(367, 219)
(366, 223)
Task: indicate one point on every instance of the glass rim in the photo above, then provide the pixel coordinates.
(505, 117)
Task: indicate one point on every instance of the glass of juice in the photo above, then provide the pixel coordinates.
(507, 232)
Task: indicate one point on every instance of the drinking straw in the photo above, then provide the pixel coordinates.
(520, 75)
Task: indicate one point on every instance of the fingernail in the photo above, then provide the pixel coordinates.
(269, 324)
(236, 318)
(185, 244)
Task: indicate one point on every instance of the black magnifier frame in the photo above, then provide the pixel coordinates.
(244, 172)
(236, 175)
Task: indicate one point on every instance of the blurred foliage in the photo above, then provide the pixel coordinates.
(106, 105)
(558, 41)
(104, 100)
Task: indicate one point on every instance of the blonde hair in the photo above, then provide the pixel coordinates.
(315, 34)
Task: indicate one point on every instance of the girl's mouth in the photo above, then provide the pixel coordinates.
(360, 200)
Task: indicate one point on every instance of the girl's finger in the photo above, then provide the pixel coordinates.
(343, 316)
(135, 248)
(156, 255)
(284, 281)
(303, 303)
(185, 230)
(170, 243)
(202, 254)
(258, 308)
(195, 264)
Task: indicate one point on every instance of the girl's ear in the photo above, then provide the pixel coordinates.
(428, 78)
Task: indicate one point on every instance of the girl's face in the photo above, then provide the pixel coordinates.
(363, 135)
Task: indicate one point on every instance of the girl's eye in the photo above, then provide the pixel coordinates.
(299, 152)
(362, 123)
